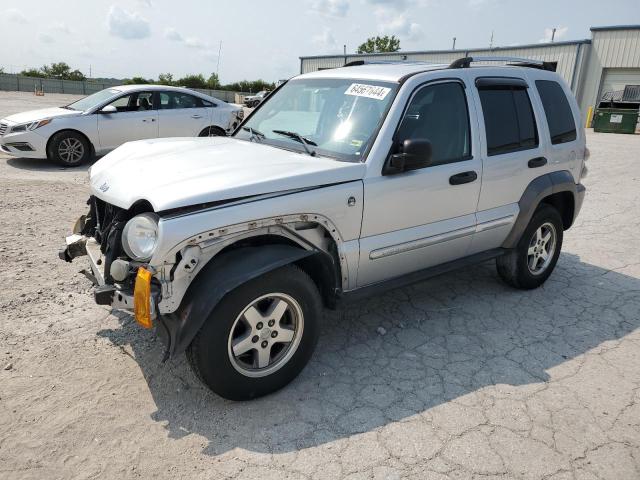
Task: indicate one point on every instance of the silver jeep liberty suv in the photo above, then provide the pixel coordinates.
(341, 183)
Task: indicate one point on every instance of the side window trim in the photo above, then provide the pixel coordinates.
(417, 90)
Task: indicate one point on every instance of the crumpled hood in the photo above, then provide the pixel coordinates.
(33, 115)
(179, 172)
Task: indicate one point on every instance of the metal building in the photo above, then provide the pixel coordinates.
(606, 62)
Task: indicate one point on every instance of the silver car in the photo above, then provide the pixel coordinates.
(99, 123)
(343, 183)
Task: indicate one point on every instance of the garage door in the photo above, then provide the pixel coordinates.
(616, 78)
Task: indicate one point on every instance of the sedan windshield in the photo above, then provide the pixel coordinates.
(87, 103)
(331, 117)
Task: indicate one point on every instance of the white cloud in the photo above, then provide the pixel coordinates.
(172, 34)
(548, 33)
(46, 38)
(61, 27)
(16, 16)
(325, 41)
(398, 24)
(127, 25)
(332, 8)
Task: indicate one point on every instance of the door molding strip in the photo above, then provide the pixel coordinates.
(439, 238)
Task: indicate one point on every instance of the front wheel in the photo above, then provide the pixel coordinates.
(534, 258)
(69, 149)
(212, 132)
(259, 337)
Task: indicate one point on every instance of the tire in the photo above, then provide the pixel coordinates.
(241, 323)
(532, 261)
(69, 149)
(212, 132)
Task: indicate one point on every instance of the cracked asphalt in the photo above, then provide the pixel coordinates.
(470, 380)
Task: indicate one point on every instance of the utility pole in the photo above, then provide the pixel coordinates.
(553, 34)
(491, 41)
(218, 65)
(90, 71)
(454, 44)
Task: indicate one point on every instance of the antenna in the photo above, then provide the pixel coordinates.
(454, 44)
(553, 34)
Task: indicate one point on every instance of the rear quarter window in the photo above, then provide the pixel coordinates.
(557, 110)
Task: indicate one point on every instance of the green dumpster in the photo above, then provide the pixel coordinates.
(615, 120)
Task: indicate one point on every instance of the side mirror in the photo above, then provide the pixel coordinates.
(108, 109)
(414, 154)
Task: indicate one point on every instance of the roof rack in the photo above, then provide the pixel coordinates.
(513, 61)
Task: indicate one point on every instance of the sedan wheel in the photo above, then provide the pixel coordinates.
(70, 150)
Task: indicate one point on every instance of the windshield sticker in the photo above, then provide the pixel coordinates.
(369, 91)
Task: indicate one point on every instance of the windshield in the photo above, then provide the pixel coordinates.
(87, 103)
(335, 117)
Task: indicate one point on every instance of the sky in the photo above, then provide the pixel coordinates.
(263, 39)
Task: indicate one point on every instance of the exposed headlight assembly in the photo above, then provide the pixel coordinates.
(140, 236)
(23, 127)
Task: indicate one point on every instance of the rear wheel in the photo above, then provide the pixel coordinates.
(212, 132)
(259, 337)
(533, 260)
(69, 149)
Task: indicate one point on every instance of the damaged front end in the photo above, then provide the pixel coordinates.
(119, 280)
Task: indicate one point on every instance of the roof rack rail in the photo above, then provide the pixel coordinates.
(513, 61)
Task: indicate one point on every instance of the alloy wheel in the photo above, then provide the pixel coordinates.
(542, 246)
(265, 335)
(70, 150)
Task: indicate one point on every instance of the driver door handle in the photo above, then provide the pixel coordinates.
(537, 162)
(464, 177)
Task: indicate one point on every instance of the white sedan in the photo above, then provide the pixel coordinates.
(99, 123)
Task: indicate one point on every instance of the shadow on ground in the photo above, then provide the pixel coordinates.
(46, 165)
(445, 338)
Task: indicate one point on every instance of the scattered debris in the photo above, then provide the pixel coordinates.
(8, 366)
(381, 330)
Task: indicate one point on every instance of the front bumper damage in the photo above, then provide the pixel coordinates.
(118, 295)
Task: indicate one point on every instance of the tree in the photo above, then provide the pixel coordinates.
(380, 44)
(33, 72)
(137, 81)
(213, 82)
(76, 75)
(192, 81)
(165, 79)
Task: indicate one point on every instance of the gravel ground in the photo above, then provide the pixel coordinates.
(467, 378)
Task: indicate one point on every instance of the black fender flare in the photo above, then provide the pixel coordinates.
(220, 276)
(536, 191)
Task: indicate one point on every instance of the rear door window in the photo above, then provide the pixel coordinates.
(562, 126)
(508, 117)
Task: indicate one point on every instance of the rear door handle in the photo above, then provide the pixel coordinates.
(464, 177)
(196, 116)
(537, 162)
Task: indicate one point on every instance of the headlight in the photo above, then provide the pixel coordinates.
(31, 125)
(140, 236)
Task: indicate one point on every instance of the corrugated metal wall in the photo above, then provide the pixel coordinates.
(563, 53)
(610, 49)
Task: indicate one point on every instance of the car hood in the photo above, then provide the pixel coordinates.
(33, 115)
(178, 172)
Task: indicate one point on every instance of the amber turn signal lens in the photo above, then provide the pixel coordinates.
(142, 298)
